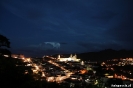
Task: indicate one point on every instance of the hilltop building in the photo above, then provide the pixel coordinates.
(71, 58)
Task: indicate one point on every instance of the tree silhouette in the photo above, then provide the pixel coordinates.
(4, 41)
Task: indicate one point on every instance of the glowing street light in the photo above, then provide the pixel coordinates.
(37, 67)
(28, 59)
(43, 75)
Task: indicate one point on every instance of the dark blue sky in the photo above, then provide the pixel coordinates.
(78, 25)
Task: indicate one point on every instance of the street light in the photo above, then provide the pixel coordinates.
(94, 72)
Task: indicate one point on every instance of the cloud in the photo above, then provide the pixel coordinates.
(54, 44)
(46, 46)
(123, 31)
(35, 51)
(2, 32)
(34, 14)
(63, 43)
(104, 15)
(44, 49)
(95, 46)
(25, 10)
(96, 24)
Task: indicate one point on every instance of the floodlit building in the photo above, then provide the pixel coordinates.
(17, 56)
(71, 58)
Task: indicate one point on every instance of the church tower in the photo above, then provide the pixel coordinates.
(71, 56)
(75, 56)
(58, 56)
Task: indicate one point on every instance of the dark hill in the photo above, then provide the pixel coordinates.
(106, 54)
(103, 55)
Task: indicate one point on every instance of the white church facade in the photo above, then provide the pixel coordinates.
(71, 58)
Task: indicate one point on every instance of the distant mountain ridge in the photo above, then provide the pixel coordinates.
(104, 55)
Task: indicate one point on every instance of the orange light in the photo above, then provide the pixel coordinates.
(83, 71)
(115, 75)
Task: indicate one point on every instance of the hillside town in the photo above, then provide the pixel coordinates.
(71, 72)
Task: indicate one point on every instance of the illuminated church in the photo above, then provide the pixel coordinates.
(71, 58)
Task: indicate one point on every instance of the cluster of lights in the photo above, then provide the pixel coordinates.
(36, 67)
(59, 79)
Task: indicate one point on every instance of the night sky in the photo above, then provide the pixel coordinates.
(75, 25)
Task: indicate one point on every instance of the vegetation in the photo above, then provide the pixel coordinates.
(4, 42)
